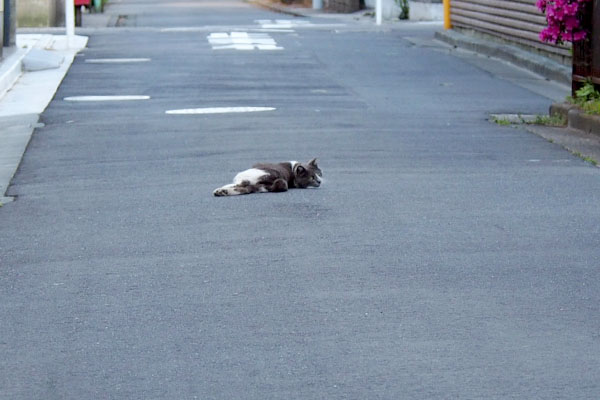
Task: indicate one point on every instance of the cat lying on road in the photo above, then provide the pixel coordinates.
(278, 177)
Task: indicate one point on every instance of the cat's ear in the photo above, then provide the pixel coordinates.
(300, 170)
(313, 162)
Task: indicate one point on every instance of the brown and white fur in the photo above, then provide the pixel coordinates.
(277, 177)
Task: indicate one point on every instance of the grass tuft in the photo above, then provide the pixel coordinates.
(550, 120)
(501, 121)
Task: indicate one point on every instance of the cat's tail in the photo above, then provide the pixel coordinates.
(236, 189)
(227, 190)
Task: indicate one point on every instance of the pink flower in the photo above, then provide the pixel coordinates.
(580, 35)
(571, 23)
(562, 18)
(541, 4)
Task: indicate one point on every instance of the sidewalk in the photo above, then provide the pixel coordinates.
(29, 77)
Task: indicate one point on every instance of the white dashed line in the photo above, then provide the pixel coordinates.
(292, 24)
(105, 98)
(115, 60)
(282, 23)
(271, 30)
(219, 110)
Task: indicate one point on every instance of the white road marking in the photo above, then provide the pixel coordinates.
(282, 23)
(219, 110)
(291, 24)
(274, 30)
(242, 41)
(106, 98)
(115, 60)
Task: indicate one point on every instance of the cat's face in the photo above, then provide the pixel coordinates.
(308, 174)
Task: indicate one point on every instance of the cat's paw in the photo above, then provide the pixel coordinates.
(220, 192)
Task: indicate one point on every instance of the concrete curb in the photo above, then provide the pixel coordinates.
(576, 118)
(533, 62)
(12, 67)
(10, 70)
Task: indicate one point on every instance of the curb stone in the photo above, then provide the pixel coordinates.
(576, 118)
(522, 58)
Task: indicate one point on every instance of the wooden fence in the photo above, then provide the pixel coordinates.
(586, 53)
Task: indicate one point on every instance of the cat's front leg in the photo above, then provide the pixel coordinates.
(278, 185)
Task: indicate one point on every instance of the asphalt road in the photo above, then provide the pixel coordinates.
(444, 257)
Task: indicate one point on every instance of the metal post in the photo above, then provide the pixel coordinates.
(378, 12)
(317, 4)
(447, 21)
(10, 23)
(70, 20)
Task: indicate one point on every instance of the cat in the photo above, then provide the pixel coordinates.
(277, 177)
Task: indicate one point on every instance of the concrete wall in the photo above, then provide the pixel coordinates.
(389, 8)
(36, 13)
(59, 12)
(420, 10)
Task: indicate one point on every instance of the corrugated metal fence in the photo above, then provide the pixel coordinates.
(517, 21)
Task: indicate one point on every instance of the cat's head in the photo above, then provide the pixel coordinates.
(308, 174)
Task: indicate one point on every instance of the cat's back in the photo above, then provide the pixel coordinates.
(282, 170)
(251, 176)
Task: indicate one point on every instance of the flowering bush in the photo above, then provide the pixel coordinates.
(563, 21)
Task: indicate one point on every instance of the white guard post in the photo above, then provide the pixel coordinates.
(70, 21)
(378, 12)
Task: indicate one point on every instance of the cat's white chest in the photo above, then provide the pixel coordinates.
(251, 175)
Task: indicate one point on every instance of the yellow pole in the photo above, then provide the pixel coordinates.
(447, 22)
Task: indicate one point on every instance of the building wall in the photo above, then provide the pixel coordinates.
(420, 10)
(36, 13)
